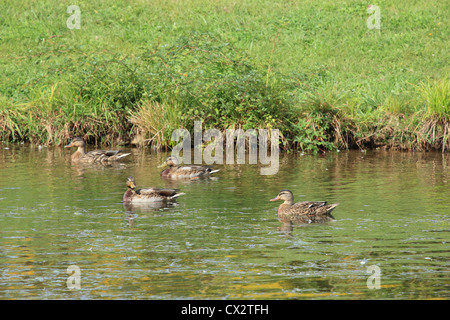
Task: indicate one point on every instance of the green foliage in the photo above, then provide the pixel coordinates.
(312, 132)
(108, 81)
(436, 95)
(276, 65)
(216, 83)
(154, 123)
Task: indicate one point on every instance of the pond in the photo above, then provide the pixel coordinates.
(222, 239)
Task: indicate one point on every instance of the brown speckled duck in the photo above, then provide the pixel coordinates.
(175, 171)
(133, 195)
(95, 156)
(303, 212)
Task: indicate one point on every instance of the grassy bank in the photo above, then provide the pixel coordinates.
(137, 70)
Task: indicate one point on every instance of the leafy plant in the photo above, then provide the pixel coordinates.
(312, 132)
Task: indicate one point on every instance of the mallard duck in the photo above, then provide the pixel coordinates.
(133, 195)
(99, 156)
(176, 171)
(303, 212)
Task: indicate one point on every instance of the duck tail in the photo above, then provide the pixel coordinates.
(331, 208)
(334, 205)
(177, 195)
(121, 155)
(214, 171)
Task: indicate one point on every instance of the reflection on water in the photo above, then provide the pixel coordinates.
(222, 239)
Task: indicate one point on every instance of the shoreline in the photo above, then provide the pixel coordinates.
(239, 67)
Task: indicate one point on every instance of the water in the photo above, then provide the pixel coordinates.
(223, 240)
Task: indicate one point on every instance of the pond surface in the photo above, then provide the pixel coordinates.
(223, 240)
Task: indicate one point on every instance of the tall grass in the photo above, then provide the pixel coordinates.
(154, 123)
(436, 129)
(436, 95)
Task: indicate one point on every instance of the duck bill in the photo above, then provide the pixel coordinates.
(68, 146)
(275, 199)
(132, 185)
(162, 165)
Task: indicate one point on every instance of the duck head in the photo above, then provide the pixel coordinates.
(171, 161)
(286, 196)
(130, 183)
(76, 142)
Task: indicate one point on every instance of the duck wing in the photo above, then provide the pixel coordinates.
(306, 207)
(102, 155)
(110, 153)
(157, 191)
(195, 170)
(308, 212)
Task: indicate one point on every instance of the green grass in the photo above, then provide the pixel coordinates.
(309, 68)
(436, 94)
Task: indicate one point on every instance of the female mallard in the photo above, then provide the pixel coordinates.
(176, 171)
(133, 195)
(98, 156)
(303, 212)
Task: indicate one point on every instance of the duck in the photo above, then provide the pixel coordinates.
(175, 171)
(303, 212)
(95, 156)
(133, 195)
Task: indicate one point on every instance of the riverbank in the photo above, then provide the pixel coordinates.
(134, 73)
